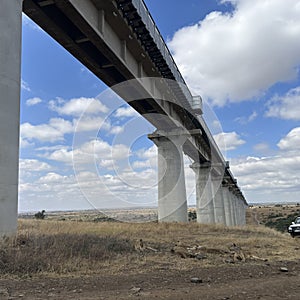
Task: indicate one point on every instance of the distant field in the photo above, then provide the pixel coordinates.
(276, 216)
(112, 215)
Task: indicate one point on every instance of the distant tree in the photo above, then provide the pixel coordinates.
(40, 215)
(192, 216)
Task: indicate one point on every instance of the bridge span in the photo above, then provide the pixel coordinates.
(120, 43)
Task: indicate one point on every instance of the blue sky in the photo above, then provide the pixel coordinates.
(241, 56)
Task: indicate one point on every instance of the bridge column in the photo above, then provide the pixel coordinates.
(172, 202)
(233, 206)
(243, 208)
(10, 72)
(227, 205)
(238, 210)
(204, 199)
(217, 195)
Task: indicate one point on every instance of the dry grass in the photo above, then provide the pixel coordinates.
(66, 247)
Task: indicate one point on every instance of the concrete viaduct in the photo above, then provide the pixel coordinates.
(119, 42)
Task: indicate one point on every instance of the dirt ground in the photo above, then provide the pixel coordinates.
(240, 281)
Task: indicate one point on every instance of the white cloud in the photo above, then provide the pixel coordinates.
(24, 143)
(42, 132)
(25, 86)
(53, 178)
(62, 155)
(33, 165)
(52, 132)
(138, 164)
(33, 101)
(237, 56)
(57, 128)
(270, 174)
(101, 149)
(51, 148)
(62, 125)
(273, 178)
(262, 148)
(291, 142)
(95, 150)
(78, 106)
(88, 123)
(125, 112)
(116, 130)
(148, 153)
(108, 164)
(286, 107)
(228, 140)
(246, 120)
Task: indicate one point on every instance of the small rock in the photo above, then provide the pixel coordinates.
(4, 292)
(200, 256)
(284, 269)
(135, 290)
(196, 280)
(229, 261)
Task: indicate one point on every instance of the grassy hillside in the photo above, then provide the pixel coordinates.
(276, 216)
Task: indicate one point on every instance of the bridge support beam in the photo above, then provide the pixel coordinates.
(10, 73)
(172, 202)
(204, 199)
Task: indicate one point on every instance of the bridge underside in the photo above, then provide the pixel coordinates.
(118, 41)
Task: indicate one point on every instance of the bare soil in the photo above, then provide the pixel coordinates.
(242, 281)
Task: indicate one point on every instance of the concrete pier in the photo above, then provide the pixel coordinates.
(172, 201)
(234, 209)
(10, 78)
(204, 197)
(227, 206)
(219, 210)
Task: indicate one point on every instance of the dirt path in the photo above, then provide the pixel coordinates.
(238, 281)
(254, 216)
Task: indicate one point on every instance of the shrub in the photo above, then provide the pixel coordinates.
(192, 215)
(40, 215)
(60, 253)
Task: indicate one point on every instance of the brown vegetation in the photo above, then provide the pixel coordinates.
(68, 247)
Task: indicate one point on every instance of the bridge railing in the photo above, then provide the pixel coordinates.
(161, 45)
(212, 140)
